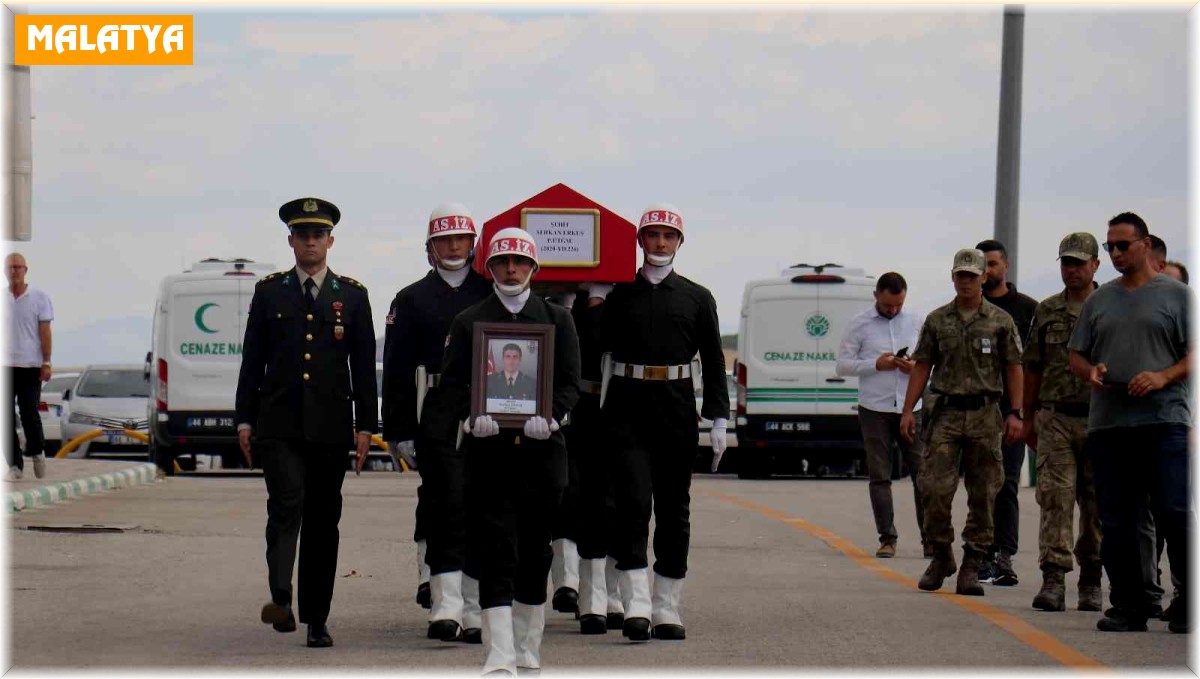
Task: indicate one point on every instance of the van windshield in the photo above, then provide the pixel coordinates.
(114, 384)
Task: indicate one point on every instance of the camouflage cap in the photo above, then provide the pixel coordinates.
(969, 259)
(1079, 245)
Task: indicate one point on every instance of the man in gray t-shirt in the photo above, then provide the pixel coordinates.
(1131, 344)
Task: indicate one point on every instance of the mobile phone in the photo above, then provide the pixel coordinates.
(902, 353)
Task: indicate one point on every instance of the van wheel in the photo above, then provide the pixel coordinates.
(232, 458)
(754, 466)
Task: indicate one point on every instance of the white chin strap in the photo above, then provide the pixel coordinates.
(453, 264)
(511, 290)
(660, 260)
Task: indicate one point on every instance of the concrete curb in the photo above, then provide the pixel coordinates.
(54, 493)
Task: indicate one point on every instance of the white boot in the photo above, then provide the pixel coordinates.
(635, 595)
(529, 622)
(665, 605)
(564, 576)
(422, 567)
(593, 590)
(447, 599)
(612, 581)
(498, 641)
(471, 619)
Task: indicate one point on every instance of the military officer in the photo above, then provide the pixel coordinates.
(305, 396)
(652, 327)
(1059, 402)
(417, 324)
(972, 348)
(515, 477)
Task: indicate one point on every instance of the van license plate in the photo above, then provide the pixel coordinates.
(789, 426)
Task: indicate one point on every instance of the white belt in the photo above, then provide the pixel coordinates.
(433, 380)
(660, 373)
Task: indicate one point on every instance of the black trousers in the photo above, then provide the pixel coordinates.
(566, 520)
(1133, 466)
(26, 388)
(515, 485)
(1005, 513)
(587, 447)
(442, 504)
(304, 495)
(654, 440)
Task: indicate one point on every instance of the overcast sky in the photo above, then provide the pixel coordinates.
(865, 137)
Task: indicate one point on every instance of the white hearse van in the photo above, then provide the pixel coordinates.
(794, 412)
(196, 352)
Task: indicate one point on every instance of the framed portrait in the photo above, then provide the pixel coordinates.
(512, 372)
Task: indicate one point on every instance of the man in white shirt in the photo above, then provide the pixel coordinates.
(873, 350)
(30, 312)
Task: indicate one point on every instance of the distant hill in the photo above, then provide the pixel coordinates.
(729, 341)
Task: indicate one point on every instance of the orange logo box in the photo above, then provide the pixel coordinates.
(102, 40)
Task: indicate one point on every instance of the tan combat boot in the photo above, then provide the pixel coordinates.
(942, 567)
(968, 577)
(1091, 596)
(1053, 596)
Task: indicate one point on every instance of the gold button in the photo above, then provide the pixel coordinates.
(308, 357)
(305, 377)
(308, 337)
(308, 317)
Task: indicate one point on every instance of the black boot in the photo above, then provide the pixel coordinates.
(968, 576)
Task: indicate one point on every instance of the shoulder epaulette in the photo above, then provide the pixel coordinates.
(271, 277)
(353, 282)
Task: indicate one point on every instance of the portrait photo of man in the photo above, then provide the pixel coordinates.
(512, 388)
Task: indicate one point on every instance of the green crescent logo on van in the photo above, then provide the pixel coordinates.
(816, 325)
(200, 318)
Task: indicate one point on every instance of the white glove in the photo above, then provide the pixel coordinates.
(484, 426)
(599, 290)
(718, 440)
(538, 428)
(407, 451)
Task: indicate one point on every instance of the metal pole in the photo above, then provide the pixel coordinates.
(18, 121)
(1008, 148)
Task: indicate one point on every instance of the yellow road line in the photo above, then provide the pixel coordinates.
(1023, 631)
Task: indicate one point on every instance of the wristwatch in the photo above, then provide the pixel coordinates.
(46, 364)
(1017, 414)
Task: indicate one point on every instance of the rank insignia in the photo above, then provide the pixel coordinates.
(337, 306)
(334, 285)
(339, 331)
(310, 205)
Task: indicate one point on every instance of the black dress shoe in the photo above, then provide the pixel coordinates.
(445, 630)
(318, 637)
(277, 614)
(669, 632)
(1121, 621)
(566, 600)
(288, 625)
(424, 597)
(593, 624)
(472, 635)
(616, 621)
(636, 629)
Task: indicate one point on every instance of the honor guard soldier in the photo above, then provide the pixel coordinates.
(305, 396)
(416, 419)
(972, 348)
(652, 328)
(515, 477)
(1059, 402)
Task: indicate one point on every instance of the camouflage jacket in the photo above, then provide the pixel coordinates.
(969, 357)
(1046, 351)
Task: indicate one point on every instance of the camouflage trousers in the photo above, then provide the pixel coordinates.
(1064, 479)
(975, 434)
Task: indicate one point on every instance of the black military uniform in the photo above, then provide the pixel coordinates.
(653, 420)
(307, 383)
(417, 325)
(515, 483)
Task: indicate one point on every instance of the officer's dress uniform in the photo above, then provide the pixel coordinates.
(417, 324)
(1064, 473)
(307, 383)
(969, 358)
(515, 483)
(521, 387)
(651, 416)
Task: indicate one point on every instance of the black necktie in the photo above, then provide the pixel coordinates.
(309, 286)
(510, 383)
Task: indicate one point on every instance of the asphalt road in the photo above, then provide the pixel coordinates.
(781, 577)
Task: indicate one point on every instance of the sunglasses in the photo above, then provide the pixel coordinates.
(1119, 245)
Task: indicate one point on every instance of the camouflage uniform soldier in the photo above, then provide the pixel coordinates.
(1058, 431)
(972, 348)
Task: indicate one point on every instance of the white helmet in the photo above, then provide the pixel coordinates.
(448, 219)
(660, 214)
(513, 241)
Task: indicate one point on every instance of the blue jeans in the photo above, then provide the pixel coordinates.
(1133, 467)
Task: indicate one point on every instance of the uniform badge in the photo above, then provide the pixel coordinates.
(986, 345)
(339, 331)
(391, 318)
(337, 306)
(310, 205)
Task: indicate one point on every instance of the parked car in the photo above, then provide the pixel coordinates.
(51, 408)
(111, 398)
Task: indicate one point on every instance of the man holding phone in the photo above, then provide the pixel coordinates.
(869, 352)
